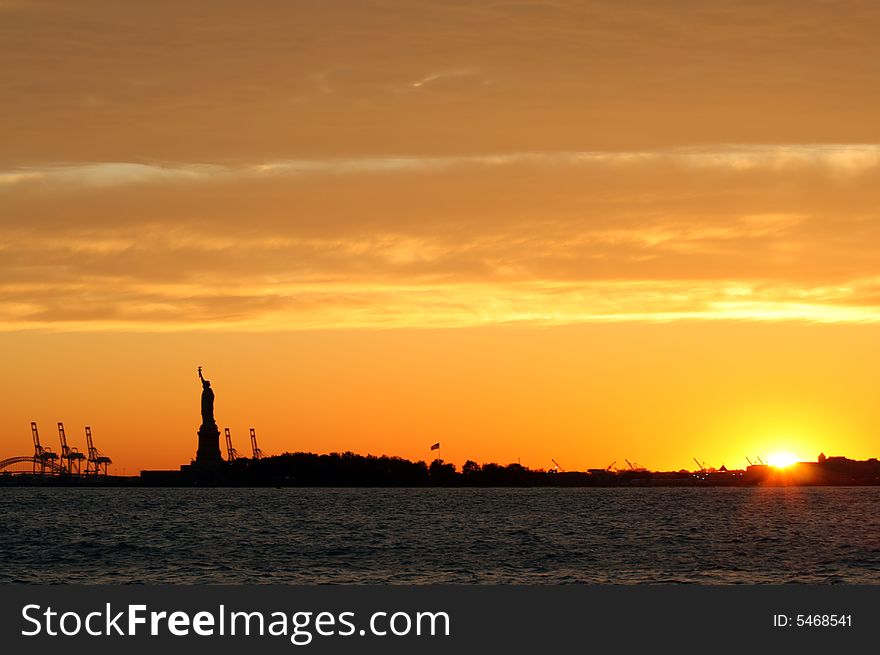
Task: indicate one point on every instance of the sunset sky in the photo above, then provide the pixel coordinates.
(586, 231)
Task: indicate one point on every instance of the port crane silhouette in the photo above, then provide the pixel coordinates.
(68, 462)
(42, 454)
(97, 462)
(71, 458)
(231, 453)
(258, 454)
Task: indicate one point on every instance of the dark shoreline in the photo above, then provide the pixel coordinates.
(351, 470)
(135, 482)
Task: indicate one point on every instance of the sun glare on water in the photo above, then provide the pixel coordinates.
(781, 460)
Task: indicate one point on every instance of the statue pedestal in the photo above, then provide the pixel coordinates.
(209, 444)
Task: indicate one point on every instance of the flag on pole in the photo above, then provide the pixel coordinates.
(436, 446)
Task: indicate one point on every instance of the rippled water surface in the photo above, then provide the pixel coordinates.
(552, 536)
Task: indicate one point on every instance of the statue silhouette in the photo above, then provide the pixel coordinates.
(209, 435)
(207, 400)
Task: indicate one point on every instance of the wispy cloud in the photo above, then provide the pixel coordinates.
(106, 174)
(441, 75)
(840, 158)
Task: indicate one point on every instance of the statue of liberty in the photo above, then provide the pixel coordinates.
(207, 401)
(209, 433)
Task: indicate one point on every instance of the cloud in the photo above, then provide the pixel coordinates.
(103, 174)
(842, 159)
(104, 81)
(345, 306)
(441, 75)
(763, 233)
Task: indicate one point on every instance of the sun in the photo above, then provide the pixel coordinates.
(781, 460)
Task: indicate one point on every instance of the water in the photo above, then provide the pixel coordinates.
(421, 536)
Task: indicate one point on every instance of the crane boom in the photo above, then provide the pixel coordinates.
(43, 455)
(65, 451)
(231, 453)
(71, 458)
(97, 462)
(258, 454)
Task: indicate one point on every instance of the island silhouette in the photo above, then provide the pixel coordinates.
(347, 469)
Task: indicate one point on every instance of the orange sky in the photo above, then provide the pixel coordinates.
(585, 231)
